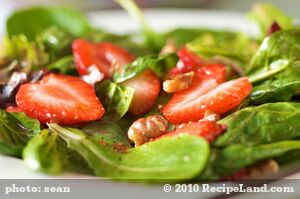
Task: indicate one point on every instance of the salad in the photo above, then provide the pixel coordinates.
(188, 104)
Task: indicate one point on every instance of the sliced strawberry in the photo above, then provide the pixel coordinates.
(147, 87)
(103, 55)
(86, 55)
(205, 95)
(13, 109)
(60, 99)
(210, 130)
(215, 71)
(190, 58)
(188, 61)
(114, 54)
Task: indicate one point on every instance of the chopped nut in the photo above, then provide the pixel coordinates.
(145, 129)
(262, 169)
(179, 83)
(170, 47)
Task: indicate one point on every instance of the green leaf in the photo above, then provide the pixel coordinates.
(182, 36)
(30, 55)
(155, 161)
(33, 21)
(116, 99)
(280, 48)
(264, 14)
(262, 124)
(289, 158)
(108, 132)
(48, 153)
(41, 153)
(64, 65)
(274, 69)
(151, 38)
(280, 88)
(235, 157)
(10, 150)
(16, 129)
(159, 65)
(57, 42)
(236, 46)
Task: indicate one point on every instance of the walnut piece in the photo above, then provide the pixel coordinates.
(262, 169)
(178, 83)
(145, 129)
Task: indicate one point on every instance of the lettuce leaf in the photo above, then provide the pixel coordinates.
(172, 163)
(264, 14)
(159, 65)
(33, 21)
(115, 98)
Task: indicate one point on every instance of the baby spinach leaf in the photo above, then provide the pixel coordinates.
(16, 129)
(33, 21)
(264, 14)
(30, 55)
(48, 153)
(41, 153)
(274, 69)
(181, 36)
(236, 46)
(289, 158)
(209, 172)
(32, 126)
(262, 124)
(159, 65)
(10, 150)
(108, 132)
(115, 98)
(281, 88)
(280, 48)
(172, 158)
(57, 42)
(235, 157)
(64, 65)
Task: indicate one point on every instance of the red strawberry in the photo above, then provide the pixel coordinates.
(86, 55)
(60, 99)
(190, 58)
(205, 95)
(147, 87)
(114, 54)
(188, 61)
(216, 71)
(103, 55)
(210, 130)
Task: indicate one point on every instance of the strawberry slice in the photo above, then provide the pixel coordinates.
(59, 99)
(147, 87)
(86, 55)
(215, 71)
(102, 55)
(188, 61)
(210, 130)
(114, 54)
(205, 95)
